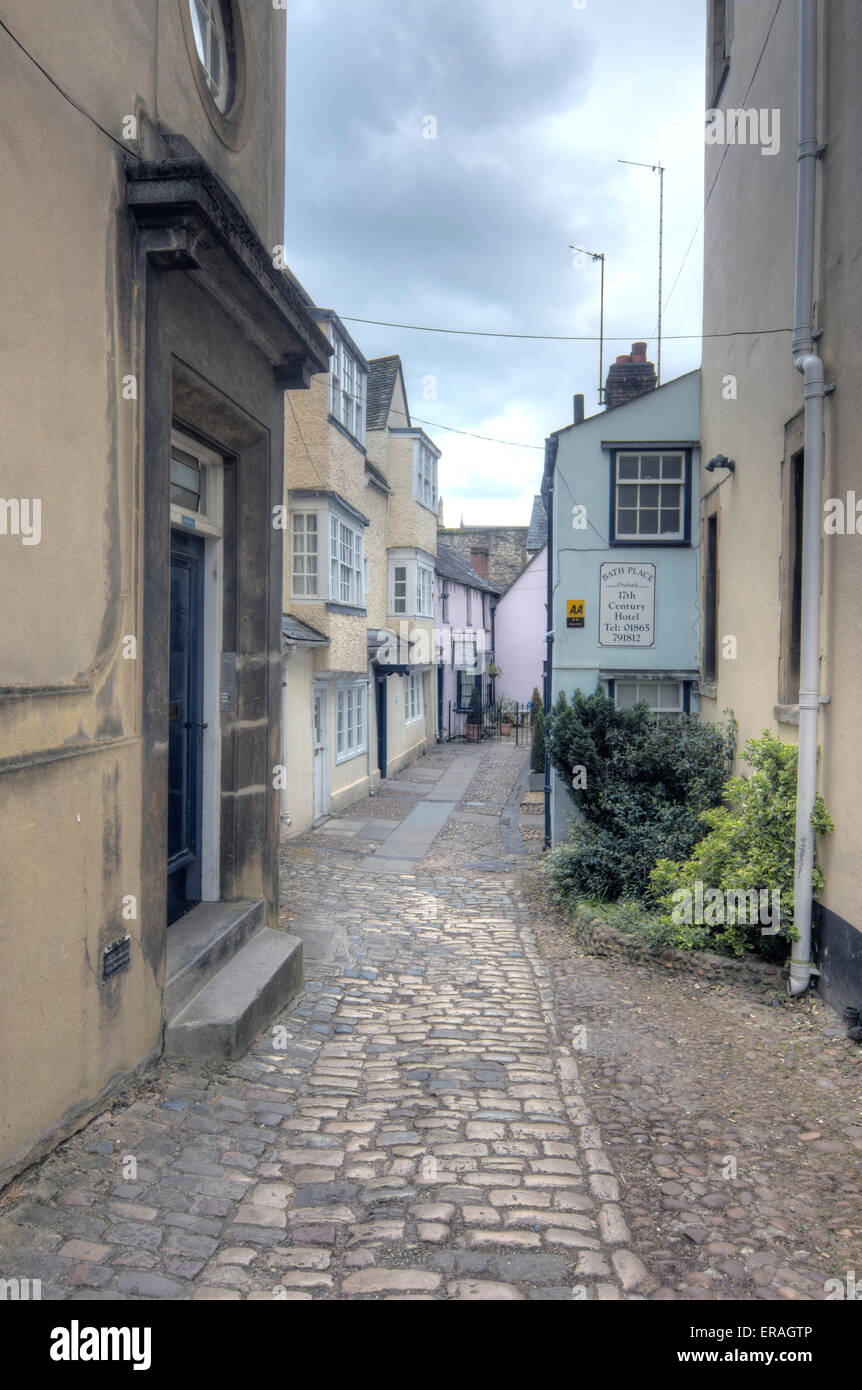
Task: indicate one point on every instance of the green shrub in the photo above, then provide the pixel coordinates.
(537, 751)
(639, 795)
(750, 846)
(474, 714)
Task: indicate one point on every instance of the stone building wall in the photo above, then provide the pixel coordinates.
(506, 548)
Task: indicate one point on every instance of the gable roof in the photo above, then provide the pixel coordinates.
(538, 532)
(451, 566)
(383, 372)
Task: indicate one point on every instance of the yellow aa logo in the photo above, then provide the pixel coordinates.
(575, 612)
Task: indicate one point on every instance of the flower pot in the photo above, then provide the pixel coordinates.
(505, 727)
(473, 732)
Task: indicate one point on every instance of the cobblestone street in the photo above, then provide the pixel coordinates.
(418, 1124)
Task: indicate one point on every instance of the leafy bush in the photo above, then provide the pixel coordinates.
(639, 791)
(750, 846)
(537, 751)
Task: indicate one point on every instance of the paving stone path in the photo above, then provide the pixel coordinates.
(413, 1127)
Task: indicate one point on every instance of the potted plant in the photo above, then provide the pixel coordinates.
(474, 716)
(508, 714)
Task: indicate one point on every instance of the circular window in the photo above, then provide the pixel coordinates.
(217, 49)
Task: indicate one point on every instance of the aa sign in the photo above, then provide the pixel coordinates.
(575, 612)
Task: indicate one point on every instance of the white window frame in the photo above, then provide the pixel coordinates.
(351, 720)
(659, 710)
(208, 28)
(341, 564)
(418, 584)
(424, 590)
(639, 482)
(348, 388)
(425, 475)
(346, 562)
(414, 697)
(304, 554)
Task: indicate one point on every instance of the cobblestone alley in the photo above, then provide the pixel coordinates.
(417, 1124)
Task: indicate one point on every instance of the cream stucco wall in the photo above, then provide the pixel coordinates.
(749, 257)
(70, 762)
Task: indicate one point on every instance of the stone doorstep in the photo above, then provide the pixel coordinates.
(223, 1019)
(202, 942)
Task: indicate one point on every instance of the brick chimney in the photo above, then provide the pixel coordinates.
(630, 376)
(479, 562)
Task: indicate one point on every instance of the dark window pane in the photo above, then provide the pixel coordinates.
(648, 524)
(649, 496)
(627, 496)
(671, 466)
(627, 523)
(627, 466)
(670, 495)
(650, 465)
(669, 522)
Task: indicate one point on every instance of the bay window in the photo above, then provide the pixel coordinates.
(411, 584)
(344, 579)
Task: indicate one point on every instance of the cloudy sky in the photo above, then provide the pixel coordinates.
(533, 103)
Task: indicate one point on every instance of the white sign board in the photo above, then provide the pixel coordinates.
(627, 605)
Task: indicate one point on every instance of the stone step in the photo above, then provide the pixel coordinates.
(203, 941)
(223, 1019)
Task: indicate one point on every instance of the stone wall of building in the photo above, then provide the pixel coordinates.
(497, 553)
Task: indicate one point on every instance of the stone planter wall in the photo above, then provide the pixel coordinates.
(601, 939)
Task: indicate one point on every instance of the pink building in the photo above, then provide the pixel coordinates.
(463, 606)
(520, 626)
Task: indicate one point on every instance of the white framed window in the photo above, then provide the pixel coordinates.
(424, 590)
(348, 386)
(411, 584)
(649, 496)
(351, 719)
(663, 697)
(424, 474)
(346, 563)
(195, 485)
(210, 34)
(399, 589)
(414, 697)
(465, 651)
(321, 536)
(305, 552)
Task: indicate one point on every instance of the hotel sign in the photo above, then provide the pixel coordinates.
(627, 605)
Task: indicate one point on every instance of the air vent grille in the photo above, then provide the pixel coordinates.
(116, 957)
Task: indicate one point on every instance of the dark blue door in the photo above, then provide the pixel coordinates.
(185, 726)
(380, 691)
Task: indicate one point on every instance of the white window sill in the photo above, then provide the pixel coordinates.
(417, 719)
(348, 757)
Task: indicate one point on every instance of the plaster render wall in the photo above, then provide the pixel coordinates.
(749, 256)
(519, 632)
(73, 854)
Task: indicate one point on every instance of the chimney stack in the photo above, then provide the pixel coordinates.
(579, 409)
(630, 376)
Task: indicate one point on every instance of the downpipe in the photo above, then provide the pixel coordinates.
(807, 362)
(809, 686)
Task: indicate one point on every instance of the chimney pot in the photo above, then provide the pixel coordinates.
(578, 414)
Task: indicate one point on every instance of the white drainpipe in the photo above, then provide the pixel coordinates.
(285, 810)
(810, 365)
